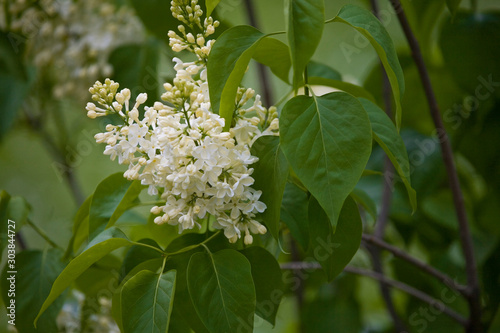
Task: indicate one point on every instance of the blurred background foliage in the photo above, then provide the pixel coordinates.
(49, 162)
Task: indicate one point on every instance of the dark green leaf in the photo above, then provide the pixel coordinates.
(276, 55)
(36, 271)
(269, 288)
(222, 290)
(391, 142)
(109, 240)
(305, 25)
(294, 214)
(226, 65)
(334, 250)
(362, 198)
(156, 16)
(137, 254)
(327, 141)
(270, 174)
(147, 300)
(112, 197)
(369, 26)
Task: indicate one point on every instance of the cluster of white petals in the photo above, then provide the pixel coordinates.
(71, 38)
(180, 150)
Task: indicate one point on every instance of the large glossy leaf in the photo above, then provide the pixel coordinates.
(270, 174)
(109, 240)
(222, 290)
(369, 26)
(112, 197)
(305, 25)
(226, 65)
(267, 278)
(327, 141)
(276, 55)
(334, 250)
(294, 213)
(36, 271)
(147, 300)
(391, 142)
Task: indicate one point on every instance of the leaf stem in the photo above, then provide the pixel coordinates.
(150, 246)
(189, 248)
(446, 150)
(43, 234)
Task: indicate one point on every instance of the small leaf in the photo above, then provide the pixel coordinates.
(275, 55)
(147, 300)
(391, 142)
(369, 26)
(109, 240)
(327, 141)
(112, 197)
(36, 271)
(222, 290)
(226, 65)
(294, 213)
(267, 278)
(305, 25)
(270, 174)
(211, 4)
(334, 250)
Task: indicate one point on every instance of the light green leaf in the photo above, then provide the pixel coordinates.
(222, 290)
(275, 55)
(36, 271)
(294, 214)
(327, 141)
(80, 228)
(147, 300)
(305, 25)
(211, 4)
(334, 250)
(109, 240)
(268, 282)
(391, 142)
(112, 197)
(15, 209)
(369, 26)
(226, 66)
(270, 174)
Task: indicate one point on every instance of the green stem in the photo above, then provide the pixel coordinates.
(42, 234)
(150, 246)
(191, 247)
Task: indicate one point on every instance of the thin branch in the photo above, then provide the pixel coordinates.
(42, 234)
(267, 96)
(390, 282)
(416, 262)
(458, 200)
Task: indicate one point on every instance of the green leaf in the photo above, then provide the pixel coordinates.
(80, 228)
(294, 213)
(268, 282)
(15, 209)
(211, 4)
(391, 142)
(369, 26)
(135, 66)
(138, 254)
(276, 55)
(112, 197)
(147, 300)
(362, 198)
(107, 241)
(270, 174)
(156, 16)
(453, 6)
(350, 88)
(334, 250)
(226, 66)
(327, 141)
(14, 80)
(305, 25)
(36, 271)
(222, 290)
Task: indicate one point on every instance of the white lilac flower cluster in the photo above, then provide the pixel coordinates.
(179, 147)
(71, 38)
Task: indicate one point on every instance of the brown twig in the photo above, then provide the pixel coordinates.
(474, 324)
(390, 282)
